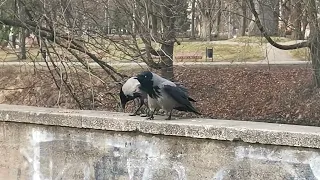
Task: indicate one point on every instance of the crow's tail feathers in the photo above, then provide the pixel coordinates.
(190, 99)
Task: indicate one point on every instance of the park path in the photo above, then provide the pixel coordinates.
(275, 54)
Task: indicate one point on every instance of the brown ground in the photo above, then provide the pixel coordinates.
(281, 94)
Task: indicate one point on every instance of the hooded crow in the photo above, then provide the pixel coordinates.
(131, 90)
(166, 93)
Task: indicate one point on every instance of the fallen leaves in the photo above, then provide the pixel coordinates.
(258, 93)
(279, 94)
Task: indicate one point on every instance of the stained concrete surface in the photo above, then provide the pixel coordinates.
(45, 143)
(35, 152)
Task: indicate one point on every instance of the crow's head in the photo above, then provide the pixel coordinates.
(146, 80)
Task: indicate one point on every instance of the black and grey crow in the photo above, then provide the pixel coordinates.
(166, 93)
(130, 91)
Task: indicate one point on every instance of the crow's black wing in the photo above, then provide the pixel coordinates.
(180, 97)
(184, 89)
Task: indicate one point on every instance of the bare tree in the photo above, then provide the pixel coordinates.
(244, 17)
(313, 43)
(59, 29)
(219, 14)
(295, 19)
(101, 32)
(147, 14)
(206, 8)
(268, 14)
(22, 33)
(193, 14)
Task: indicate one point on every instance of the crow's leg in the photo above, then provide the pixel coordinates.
(146, 104)
(140, 105)
(169, 117)
(151, 113)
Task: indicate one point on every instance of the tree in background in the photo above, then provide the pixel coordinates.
(268, 14)
(139, 30)
(207, 16)
(156, 24)
(146, 31)
(313, 43)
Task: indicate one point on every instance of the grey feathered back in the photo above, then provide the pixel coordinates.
(158, 80)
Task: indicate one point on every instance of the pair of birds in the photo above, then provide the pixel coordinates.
(160, 93)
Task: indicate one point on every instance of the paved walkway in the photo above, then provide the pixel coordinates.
(275, 54)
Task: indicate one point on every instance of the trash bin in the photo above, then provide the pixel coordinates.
(209, 53)
(44, 53)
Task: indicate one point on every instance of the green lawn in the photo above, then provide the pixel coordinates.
(254, 39)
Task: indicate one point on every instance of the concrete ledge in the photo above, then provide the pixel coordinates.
(251, 132)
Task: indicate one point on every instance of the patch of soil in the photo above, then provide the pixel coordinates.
(279, 94)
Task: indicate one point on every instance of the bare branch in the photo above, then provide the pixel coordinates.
(269, 39)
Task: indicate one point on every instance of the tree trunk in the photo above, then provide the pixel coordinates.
(219, 13)
(304, 26)
(166, 62)
(268, 17)
(285, 16)
(244, 18)
(22, 34)
(304, 19)
(296, 20)
(206, 28)
(14, 34)
(315, 54)
(133, 17)
(207, 11)
(169, 35)
(315, 41)
(230, 27)
(154, 20)
(14, 40)
(22, 44)
(193, 11)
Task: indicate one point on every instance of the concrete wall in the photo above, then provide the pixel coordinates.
(40, 143)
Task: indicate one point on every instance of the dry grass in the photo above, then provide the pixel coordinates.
(254, 39)
(110, 52)
(301, 54)
(12, 55)
(222, 52)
